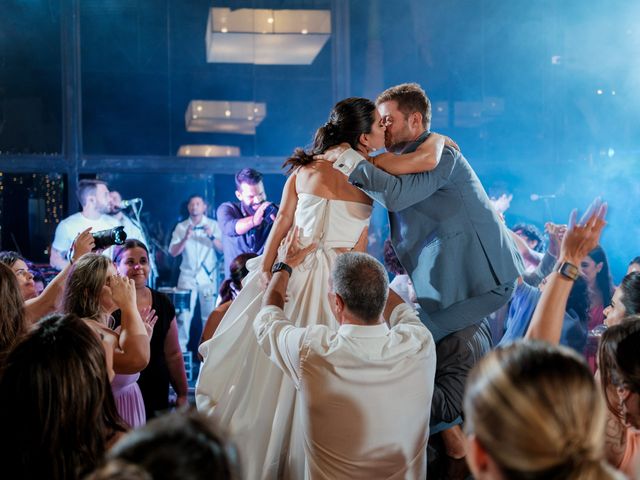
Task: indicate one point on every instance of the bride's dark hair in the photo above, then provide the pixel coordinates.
(349, 119)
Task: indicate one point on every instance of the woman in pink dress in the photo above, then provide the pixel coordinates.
(93, 292)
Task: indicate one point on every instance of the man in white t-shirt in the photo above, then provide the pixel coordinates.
(365, 389)
(93, 195)
(196, 239)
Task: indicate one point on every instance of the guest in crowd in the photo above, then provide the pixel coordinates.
(595, 268)
(39, 282)
(180, 445)
(13, 322)
(57, 412)
(93, 195)
(245, 227)
(530, 242)
(166, 364)
(37, 306)
(196, 239)
(625, 300)
(228, 292)
(93, 292)
(533, 411)
(619, 371)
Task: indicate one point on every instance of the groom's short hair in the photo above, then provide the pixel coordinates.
(362, 283)
(411, 98)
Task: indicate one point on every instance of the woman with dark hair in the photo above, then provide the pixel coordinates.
(56, 408)
(619, 371)
(13, 323)
(595, 267)
(93, 292)
(181, 445)
(625, 300)
(238, 384)
(228, 292)
(166, 364)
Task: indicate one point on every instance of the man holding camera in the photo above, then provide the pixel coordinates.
(93, 195)
(195, 239)
(246, 224)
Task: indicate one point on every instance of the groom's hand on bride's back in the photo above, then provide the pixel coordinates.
(332, 154)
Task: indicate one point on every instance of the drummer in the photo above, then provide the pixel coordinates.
(166, 365)
(197, 238)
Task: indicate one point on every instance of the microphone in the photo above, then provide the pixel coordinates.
(128, 203)
(535, 197)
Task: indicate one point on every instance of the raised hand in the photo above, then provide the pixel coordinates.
(149, 318)
(556, 234)
(83, 243)
(123, 291)
(582, 237)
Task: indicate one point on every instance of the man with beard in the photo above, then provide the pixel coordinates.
(245, 224)
(459, 255)
(132, 230)
(93, 195)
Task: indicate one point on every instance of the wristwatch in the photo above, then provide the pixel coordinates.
(279, 266)
(569, 270)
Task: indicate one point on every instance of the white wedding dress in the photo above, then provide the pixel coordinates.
(247, 394)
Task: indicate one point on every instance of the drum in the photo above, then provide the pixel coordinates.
(180, 298)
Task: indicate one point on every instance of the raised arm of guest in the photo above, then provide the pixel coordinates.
(579, 240)
(133, 352)
(47, 302)
(545, 267)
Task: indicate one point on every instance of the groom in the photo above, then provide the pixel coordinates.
(458, 253)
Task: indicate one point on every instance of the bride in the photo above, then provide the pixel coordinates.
(238, 384)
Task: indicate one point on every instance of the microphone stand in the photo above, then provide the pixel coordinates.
(150, 245)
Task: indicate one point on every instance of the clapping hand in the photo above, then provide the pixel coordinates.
(583, 236)
(556, 234)
(149, 318)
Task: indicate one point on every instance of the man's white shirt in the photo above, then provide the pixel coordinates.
(198, 257)
(366, 391)
(348, 161)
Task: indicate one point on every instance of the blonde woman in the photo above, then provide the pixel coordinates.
(533, 412)
(93, 292)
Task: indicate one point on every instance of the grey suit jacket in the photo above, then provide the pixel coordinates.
(444, 230)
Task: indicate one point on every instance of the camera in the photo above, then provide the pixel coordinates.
(106, 238)
(272, 209)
